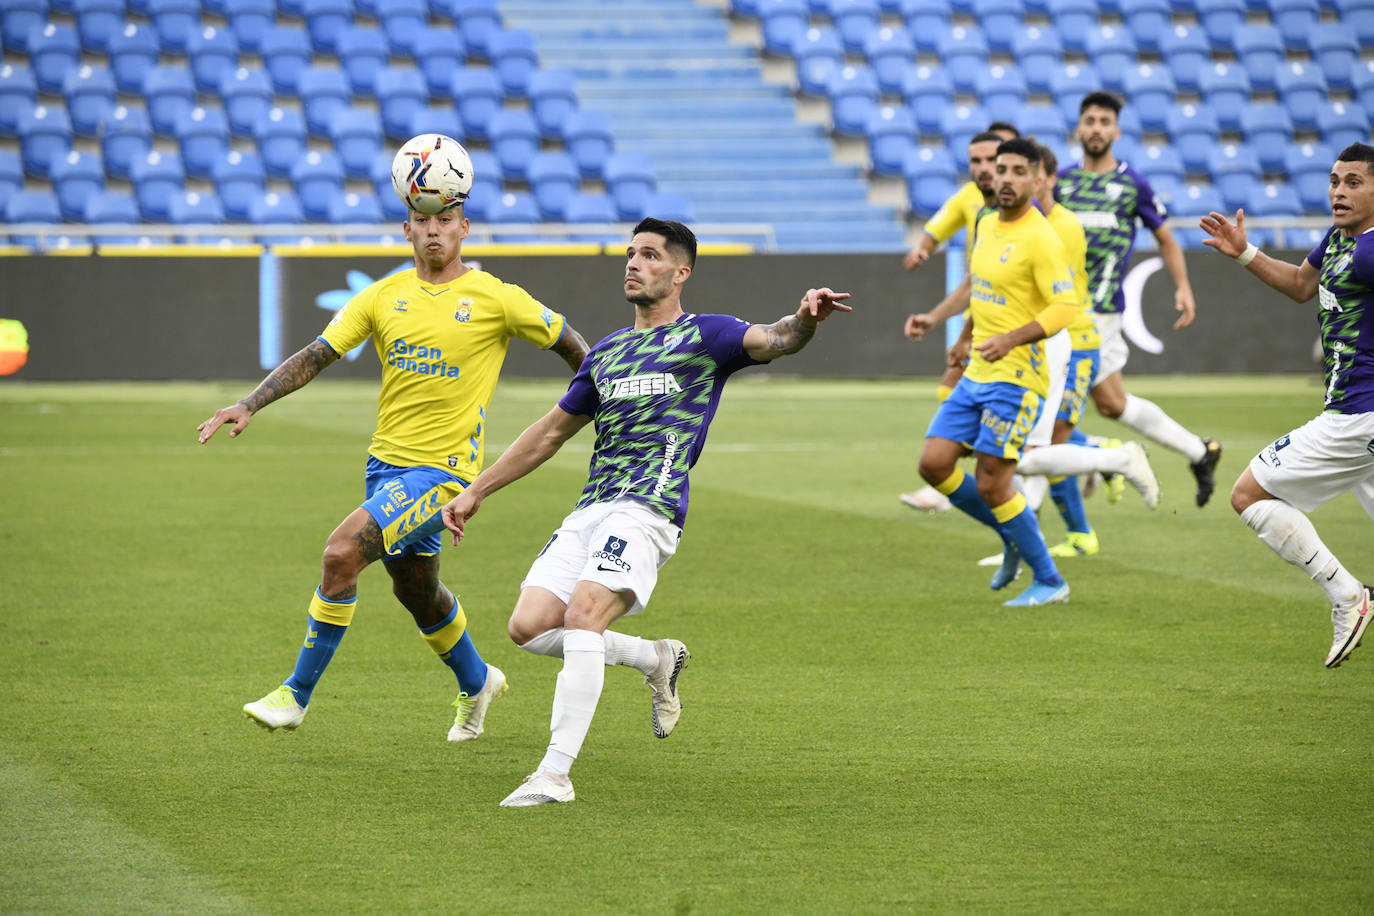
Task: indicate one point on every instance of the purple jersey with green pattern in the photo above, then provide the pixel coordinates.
(652, 394)
(1108, 205)
(1345, 292)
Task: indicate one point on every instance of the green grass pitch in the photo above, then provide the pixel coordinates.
(866, 728)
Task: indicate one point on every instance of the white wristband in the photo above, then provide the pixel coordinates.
(1248, 255)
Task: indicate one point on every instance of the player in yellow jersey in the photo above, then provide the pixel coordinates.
(441, 332)
(1022, 292)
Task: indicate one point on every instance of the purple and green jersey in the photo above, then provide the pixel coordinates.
(652, 394)
(1345, 293)
(1107, 205)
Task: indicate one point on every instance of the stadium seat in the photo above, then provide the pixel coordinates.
(853, 21)
(363, 53)
(90, 94)
(630, 180)
(275, 208)
(400, 94)
(439, 52)
(169, 92)
(514, 136)
(553, 180)
(1302, 90)
(247, 94)
(325, 20)
(1151, 89)
(1308, 166)
(134, 51)
(513, 207)
(964, 53)
(931, 177)
(1068, 85)
(891, 134)
(387, 199)
(1160, 165)
(478, 20)
(17, 19)
(1220, 19)
(1186, 51)
(781, 21)
(126, 138)
(31, 207)
(1273, 200)
(1293, 18)
(1259, 50)
(487, 182)
(239, 178)
(589, 139)
(18, 93)
(853, 94)
(592, 208)
(203, 134)
(1196, 201)
(96, 22)
(1226, 90)
(927, 91)
(1268, 130)
(1341, 124)
(1147, 21)
(352, 207)
(317, 176)
(1073, 19)
(156, 177)
(45, 133)
(281, 138)
(1002, 92)
(356, 134)
(174, 20)
(1334, 50)
(552, 97)
(1000, 21)
(478, 94)
(403, 21)
(1358, 16)
(324, 90)
(11, 176)
(54, 51)
(195, 208)
(672, 206)
(286, 55)
(110, 208)
(1362, 84)
(1112, 52)
(926, 21)
(889, 51)
(1234, 170)
(442, 119)
(1045, 123)
(213, 52)
(514, 57)
(1194, 132)
(75, 177)
(250, 20)
(959, 125)
(1038, 52)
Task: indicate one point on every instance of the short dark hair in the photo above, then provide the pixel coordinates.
(680, 240)
(1003, 125)
(1021, 147)
(986, 136)
(1358, 152)
(1048, 160)
(1100, 100)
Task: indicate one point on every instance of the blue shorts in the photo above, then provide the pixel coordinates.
(406, 504)
(995, 417)
(1079, 381)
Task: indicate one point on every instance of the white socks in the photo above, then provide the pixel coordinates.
(1033, 489)
(1290, 534)
(1147, 418)
(575, 697)
(630, 651)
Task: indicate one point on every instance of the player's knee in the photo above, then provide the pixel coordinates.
(932, 471)
(1109, 407)
(520, 631)
(1244, 493)
(341, 561)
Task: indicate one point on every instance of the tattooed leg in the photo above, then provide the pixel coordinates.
(353, 545)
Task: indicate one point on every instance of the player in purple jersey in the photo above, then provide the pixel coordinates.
(651, 390)
(1334, 452)
(1109, 196)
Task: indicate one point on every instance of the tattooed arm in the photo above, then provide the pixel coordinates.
(298, 369)
(571, 346)
(790, 334)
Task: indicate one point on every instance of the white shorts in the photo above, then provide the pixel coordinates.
(621, 544)
(1057, 350)
(1114, 348)
(1329, 455)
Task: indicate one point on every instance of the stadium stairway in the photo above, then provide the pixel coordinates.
(679, 91)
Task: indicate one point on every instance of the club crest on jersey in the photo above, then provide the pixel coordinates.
(1006, 252)
(638, 386)
(1343, 263)
(672, 340)
(464, 312)
(1114, 190)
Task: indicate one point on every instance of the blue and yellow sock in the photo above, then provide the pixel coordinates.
(450, 641)
(1018, 523)
(962, 491)
(325, 625)
(1069, 502)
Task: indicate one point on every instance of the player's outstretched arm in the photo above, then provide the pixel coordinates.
(537, 444)
(957, 301)
(1296, 281)
(293, 373)
(572, 346)
(1172, 255)
(790, 334)
(925, 247)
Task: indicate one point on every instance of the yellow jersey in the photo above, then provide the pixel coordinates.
(959, 212)
(1083, 331)
(441, 348)
(1017, 270)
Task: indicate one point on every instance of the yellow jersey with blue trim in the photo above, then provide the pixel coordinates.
(1083, 332)
(441, 347)
(958, 212)
(1017, 269)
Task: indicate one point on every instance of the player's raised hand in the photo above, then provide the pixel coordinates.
(236, 414)
(819, 303)
(1226, 237)
(458, 510)
(917, 325)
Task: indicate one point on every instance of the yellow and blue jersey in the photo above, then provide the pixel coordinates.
(441, 348)
(1083, 330)
(959, 212)
(1017, 270)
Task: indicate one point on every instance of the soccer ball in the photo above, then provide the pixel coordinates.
(431, 173)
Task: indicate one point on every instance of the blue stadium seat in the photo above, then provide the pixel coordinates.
(239, 178)
(1259, 49)
(97, 21)
(275, 208)
(589, 139)
(324, 90)
(281, 138)
(1194, 131)
(174, 20)
(1196, 201)
(1147, 21)
(1273, 200)
(478, 20)
(854, 20)
(487, 182)
(513, 207)
(891, 133)
(363, 52)
(31, 207)
(853, 94)
(478, 94)
(213, 52)
(18, 93)
(249, 20)
(54, 51)
(514, 136)
(1073, 19)
(392, 207)
(1002, 92)
(45, 133)
(1226, 90)
(438, 52)
(671, 206)
(1220, 19)
(352, 207)
(11, 176)
(964, 52)
(1333, 46)
(931, 176)
(400, 94)
(126, 138)
(169, 92)
(927, 91)
(1000, 21)
(286, 55)
(204, 137)
(1160, 165)
(592, 208)
(514, 57)
(1302, 90)
(1342, 123)
(134, 51)
(1358, 16)
(553, 180)
(195, 208)
(1309, 168)
(1112, 52)
(781, 21)
(90, 94)
(17, 19)
(110, 208)
(552, 97)
(1039, 53)
(75, 177)
(630, 180)
(317, 176)
(926, 21)
(247, 93)
(403, 21)
(156, 177)
(1069, 84)
(1268, 130)
(889, 50)
(325, 20)
(1186, 51)
(959, 125)
(1362, 84)
(1293, 18)
(1151, 89)
(1234, 170)
(433, 119)
(357, 137)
